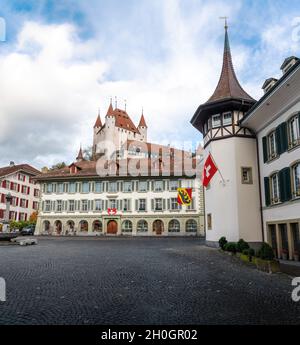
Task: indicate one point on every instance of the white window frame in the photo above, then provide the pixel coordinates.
(296, 179)
(225, 121)
(214, 125)
(274, 182)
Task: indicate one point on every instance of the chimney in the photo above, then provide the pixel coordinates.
(11, 164)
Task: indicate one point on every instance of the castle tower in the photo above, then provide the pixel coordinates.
(79, 157)
(142, 127)
(232, 207)
(97, 127)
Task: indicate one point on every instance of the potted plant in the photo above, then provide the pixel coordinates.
(284, 254)
(296, 255)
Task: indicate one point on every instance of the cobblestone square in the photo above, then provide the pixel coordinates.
(138, 281)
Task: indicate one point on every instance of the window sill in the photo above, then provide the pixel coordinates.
(271, 159)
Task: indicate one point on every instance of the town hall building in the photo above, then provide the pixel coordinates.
(128, 188)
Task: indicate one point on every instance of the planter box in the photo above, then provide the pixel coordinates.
(269, 266)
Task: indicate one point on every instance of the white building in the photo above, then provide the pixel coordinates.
(17, 180)
(117, 129)
(76, 200)
(232, 206)
(275, 120)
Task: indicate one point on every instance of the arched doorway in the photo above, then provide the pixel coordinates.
(84, 226)
(46, 226)
(70, 227)
(112, 227)
(58, 227)
(97, 226)
(158, 227)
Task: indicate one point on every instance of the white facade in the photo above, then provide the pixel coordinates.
(279, 154)
(134, 199)
(117, 129)
(24, 191)
(233, 208)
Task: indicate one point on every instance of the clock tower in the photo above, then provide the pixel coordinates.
(232, 201)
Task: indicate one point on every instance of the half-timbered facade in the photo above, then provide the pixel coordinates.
(232, 203)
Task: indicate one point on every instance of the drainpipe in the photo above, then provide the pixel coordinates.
(260, 190)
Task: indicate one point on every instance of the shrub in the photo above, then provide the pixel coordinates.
(249, 252)
(230, 247)
(242, 245)
(222, 242)
(265, 252)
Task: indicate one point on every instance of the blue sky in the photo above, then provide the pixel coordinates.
(63, 60)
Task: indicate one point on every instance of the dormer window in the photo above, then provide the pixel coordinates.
(216, 121)
(227, 119)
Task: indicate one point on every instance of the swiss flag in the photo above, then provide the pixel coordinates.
(209, 170)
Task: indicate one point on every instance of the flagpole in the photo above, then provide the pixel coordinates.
(224, 182)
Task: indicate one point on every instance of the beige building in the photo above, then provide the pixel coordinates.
(76, 201)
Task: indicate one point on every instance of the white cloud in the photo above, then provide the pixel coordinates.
(53, 82)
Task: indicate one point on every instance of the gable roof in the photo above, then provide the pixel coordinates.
(26, 168)
(124, 121)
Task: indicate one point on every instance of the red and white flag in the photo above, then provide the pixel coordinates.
(209, 170)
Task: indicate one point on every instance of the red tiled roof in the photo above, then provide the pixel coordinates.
(142, 122)
(228, 85)
(26, 168)
(124, 121)
(98, 122)
(146, 167)
(110, 110)
(153, 148)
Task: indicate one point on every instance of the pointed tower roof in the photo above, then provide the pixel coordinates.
(98, 122)
(80, 155)
(228, 95)
(110, 110)
(228, 85)
(142, 121)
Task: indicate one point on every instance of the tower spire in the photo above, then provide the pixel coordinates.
(79, 157)
(228, 85)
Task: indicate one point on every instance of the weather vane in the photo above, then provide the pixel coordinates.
(225, 19)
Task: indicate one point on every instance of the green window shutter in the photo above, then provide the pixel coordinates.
(164, 204)
(169, 204)
(285, 184)
(152, 204)
(278, 139)
(267, 191)
(136, 205)
(283, 137)
(299, 123)
(265, 149)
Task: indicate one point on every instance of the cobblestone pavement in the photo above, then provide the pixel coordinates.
(138, 281)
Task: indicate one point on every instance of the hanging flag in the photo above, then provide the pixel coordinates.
(184, 196)
(209, 170)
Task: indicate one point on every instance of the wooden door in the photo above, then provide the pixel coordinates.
(112, 227)
(158, 227)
